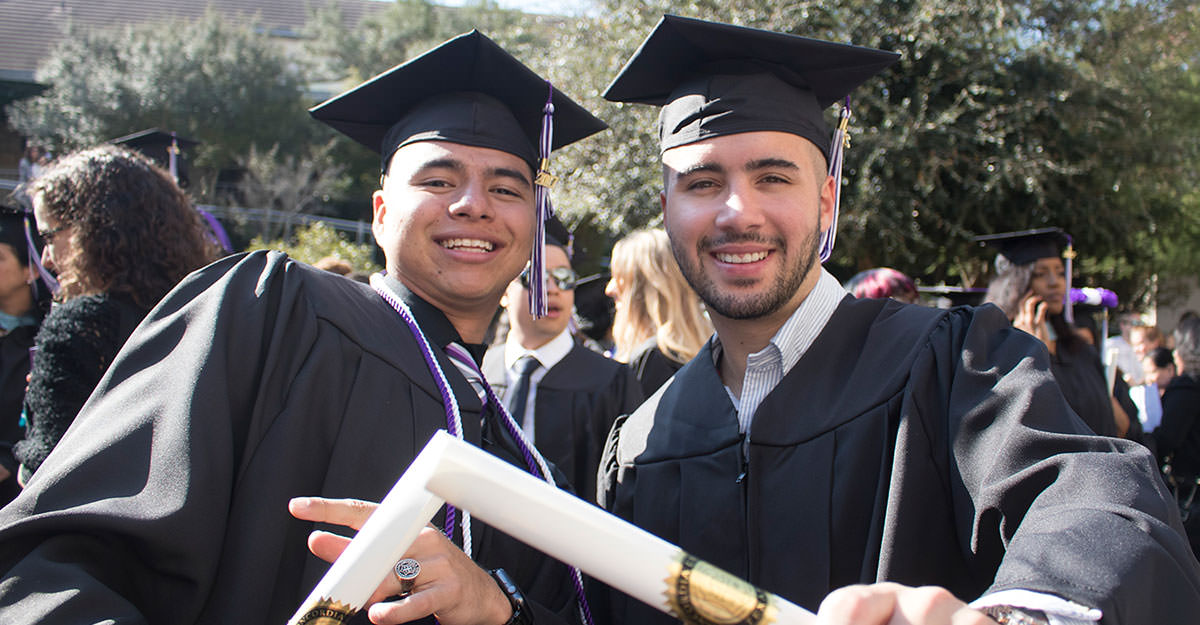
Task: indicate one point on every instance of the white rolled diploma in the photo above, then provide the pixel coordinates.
(559, 524)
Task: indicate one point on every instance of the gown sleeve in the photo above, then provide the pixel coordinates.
(1082, 517)
(125, 521)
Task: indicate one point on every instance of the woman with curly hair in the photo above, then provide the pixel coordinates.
(1031, 286)
(120, 234)
(660, 323)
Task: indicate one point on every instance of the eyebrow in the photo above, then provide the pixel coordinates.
(505, 172)
(714, 168)
(456, 165)
(771, 163)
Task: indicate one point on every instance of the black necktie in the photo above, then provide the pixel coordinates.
(524, 367)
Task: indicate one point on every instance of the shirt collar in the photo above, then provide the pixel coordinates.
(548, 355)
(433, 322)
(797, 334)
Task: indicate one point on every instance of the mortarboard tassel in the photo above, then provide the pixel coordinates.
(542, 182)
(841, 141)
(1069, 258)
(173, 158)
(35, 258)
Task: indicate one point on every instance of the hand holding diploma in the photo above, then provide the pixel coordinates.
(449, 584)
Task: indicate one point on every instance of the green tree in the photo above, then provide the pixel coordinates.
(225, 85)
(317, 240)
(1001, 115)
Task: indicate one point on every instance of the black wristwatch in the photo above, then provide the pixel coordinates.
(521, 614)
(1009, 615)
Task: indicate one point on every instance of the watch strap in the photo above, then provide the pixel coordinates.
(521, 614)
(1012, 615)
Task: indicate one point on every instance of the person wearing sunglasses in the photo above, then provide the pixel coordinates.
(564, 395)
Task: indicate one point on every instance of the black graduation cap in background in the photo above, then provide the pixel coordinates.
(468, 91)
(558, 234)
(593, 307)
(157, 145)
(1026, 246)
(12, 230)
(718, 79)
(17, 229)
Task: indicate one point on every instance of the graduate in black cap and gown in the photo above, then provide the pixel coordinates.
(565, 395)
(1031, 286)
(24, 301)
(821, 442)
(261, 379)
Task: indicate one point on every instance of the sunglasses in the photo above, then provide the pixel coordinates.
(564, 277)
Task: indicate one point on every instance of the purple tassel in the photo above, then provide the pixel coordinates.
(841, 140)
(218, 233)
(541, 193)
(1068, 305)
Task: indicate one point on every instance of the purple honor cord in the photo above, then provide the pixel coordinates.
(533, 459)
(453, 417)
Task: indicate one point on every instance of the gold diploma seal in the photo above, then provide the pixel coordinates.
(325, 612)
(699, 593)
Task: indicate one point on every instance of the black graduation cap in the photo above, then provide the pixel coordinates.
(12, 231)
(718, 79)
(468, 91)
(17, 229)
(1025, 246)
(593, 308)
(558, 234)
(158, 146)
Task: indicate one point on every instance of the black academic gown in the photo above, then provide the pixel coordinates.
(575, 406)
(256, 380)
(14, 366)
(652, 367)
(908, 444)
(1080, 375)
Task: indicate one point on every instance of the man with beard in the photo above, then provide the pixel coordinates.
(879, 461)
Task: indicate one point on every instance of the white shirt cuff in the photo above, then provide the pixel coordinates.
(1058, 611)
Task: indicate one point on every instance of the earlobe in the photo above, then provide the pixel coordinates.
(662, 203)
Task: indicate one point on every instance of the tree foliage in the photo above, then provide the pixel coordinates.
(1001, 115)
(315, 241)
(286, 183)
(225, 85)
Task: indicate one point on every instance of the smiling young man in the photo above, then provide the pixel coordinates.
(260, 379)
(880, 462)
(565, 395)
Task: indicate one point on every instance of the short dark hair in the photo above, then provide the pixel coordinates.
(1161, 357)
